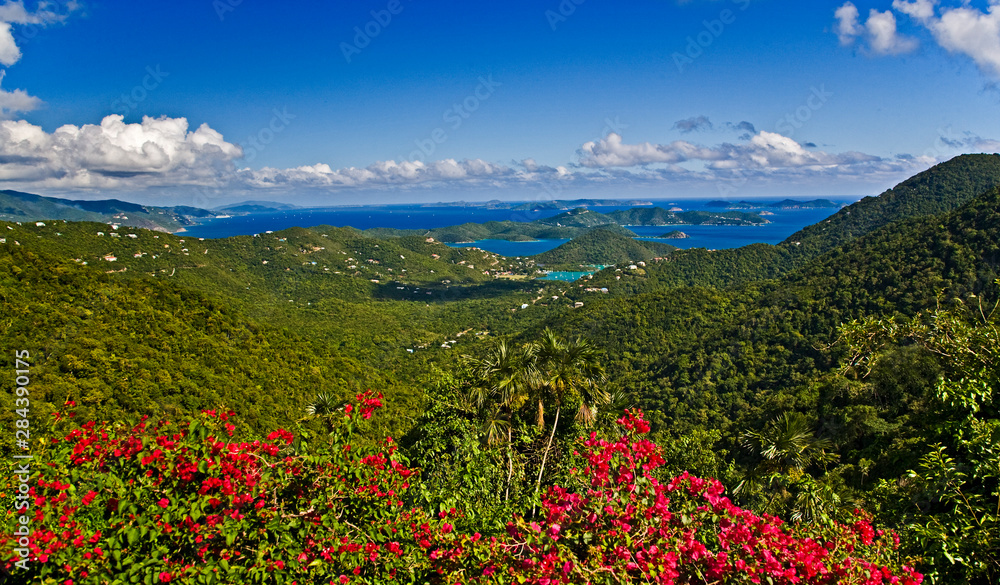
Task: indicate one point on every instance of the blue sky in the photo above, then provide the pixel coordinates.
(212, 101)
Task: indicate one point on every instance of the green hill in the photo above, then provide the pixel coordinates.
(18, 206)
(941, 188)
(602, 247)
(579, 217)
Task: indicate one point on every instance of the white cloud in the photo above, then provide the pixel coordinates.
(15, 13)
(47, 13)
(165, 156)
(164, 152)
(765, 154)
(883, 36)
(919, 9)
(9, 53)
(879, 30)
(16, 101)
(159, 151)
(964, 30)
(611, 152)
(847, 23)
(968, 31)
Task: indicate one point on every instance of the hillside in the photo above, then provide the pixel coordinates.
(213, 323)
(515, 231)
(941, 188)
(122, 348)
(17, 206)
(130, 321)
(579, 217)
(730, 359)
(602, 247)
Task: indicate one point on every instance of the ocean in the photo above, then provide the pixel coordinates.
(784, 222)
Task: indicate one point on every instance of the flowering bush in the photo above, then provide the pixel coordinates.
(184, 503)
(621, 525)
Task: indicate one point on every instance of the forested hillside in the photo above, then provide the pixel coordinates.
(852, 367)
(940, 189)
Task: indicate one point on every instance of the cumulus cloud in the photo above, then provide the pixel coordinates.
(963, 30)
(847, 23)
(883, 37)
(919, 9)
(387, 174)
(610, 151)
(15, 13)
(765, 154)
(16, 101)
(879, 30)
(968, 31)
(165, 152)
(46, 12)
(9, 53)
(159, 151)
(692, 124)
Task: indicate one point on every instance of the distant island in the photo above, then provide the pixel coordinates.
(675, 235)
(248, 207)
(556, 204)
(18, 206)
(785, 204)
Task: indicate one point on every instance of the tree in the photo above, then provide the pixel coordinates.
(568, 369)
(503, 376)
(788, 447)
(949, 504)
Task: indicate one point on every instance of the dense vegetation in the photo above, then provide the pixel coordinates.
(600, 247)
(852, 367)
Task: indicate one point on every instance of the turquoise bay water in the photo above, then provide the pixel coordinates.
(566, 276)
(784, 222)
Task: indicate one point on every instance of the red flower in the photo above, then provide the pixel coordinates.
(164, 577)
(163, 503)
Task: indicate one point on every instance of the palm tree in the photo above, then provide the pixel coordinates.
(787, 443)
(504, 374)
(325, 408)
(566, 370)
(788, 447)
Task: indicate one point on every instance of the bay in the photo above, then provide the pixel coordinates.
(783, 223)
